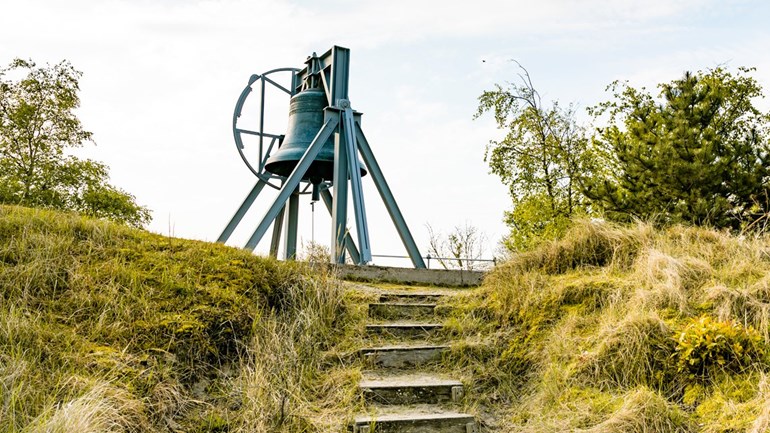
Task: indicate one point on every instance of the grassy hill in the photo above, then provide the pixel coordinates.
(104, 328)
(617, 329)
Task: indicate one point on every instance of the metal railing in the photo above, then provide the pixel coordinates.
(440, 259)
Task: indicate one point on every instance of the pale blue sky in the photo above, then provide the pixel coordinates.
(161, 78)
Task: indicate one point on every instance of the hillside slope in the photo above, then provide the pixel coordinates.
(621, 329)
(104, 328)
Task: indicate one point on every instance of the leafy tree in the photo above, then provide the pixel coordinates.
(460, 249)
(697, 154)
(539, 159)
(37, 125)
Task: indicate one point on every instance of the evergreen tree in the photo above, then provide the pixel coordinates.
(697, 154)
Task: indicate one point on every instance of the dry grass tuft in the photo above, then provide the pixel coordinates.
(633, 350)
(587, 243)
(103, 409)
(665, 281)
(644, 411)
(280, 385)
(746, 306)
(615, 324)
(762, 422)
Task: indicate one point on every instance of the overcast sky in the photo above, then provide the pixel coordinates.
(161, 79)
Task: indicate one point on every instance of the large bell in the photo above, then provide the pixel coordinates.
(306, 117)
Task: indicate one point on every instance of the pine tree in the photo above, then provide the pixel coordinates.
(697, 154)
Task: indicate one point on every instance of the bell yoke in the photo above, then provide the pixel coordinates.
(320, 148)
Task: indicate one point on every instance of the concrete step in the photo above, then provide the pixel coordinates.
(411, 297)
(413, 421)
(402, 356)
(404, 329)
(410, 389)
(399, 311)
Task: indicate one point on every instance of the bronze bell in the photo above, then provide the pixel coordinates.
(306, 117)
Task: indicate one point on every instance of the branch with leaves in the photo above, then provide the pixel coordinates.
(37, 125)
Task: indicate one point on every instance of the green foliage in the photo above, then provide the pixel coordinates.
(706, 345)
(37, 125)
(539, 160)
(698, 154)
(534, 223)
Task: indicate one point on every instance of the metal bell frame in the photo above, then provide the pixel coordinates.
(332, 70)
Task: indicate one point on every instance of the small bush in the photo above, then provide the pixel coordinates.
(706, 344)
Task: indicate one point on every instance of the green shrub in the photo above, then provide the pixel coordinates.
(706, 344)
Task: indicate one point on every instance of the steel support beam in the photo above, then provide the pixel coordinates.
(292, 182)
(339, 201)
(239, 214)
(388, 199)
(356, 189)
(335, 67)
(276, 239)
(340, 73)
(292, 216)
(350, 246)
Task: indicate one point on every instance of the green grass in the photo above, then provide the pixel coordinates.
(621, 329)
(106, 328)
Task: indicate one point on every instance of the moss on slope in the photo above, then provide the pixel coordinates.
(622, 329)
(108, 328)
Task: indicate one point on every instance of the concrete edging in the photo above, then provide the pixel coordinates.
(436, 277)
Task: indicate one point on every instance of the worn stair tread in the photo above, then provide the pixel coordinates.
(413, 293)
(412, 415)
(410, 389)
(410, 296)
(404, 324)
(403, 357)
(418, 292)
(417, 418)
(403, 304)
(406, 380)
(399, 347)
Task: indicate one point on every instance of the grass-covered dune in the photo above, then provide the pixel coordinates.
(105, 328)
(622, 329)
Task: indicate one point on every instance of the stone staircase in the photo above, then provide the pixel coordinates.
(401, 390)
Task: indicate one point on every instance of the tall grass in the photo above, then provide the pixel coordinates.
(111, 329)
(281, 384)
(623, 329)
